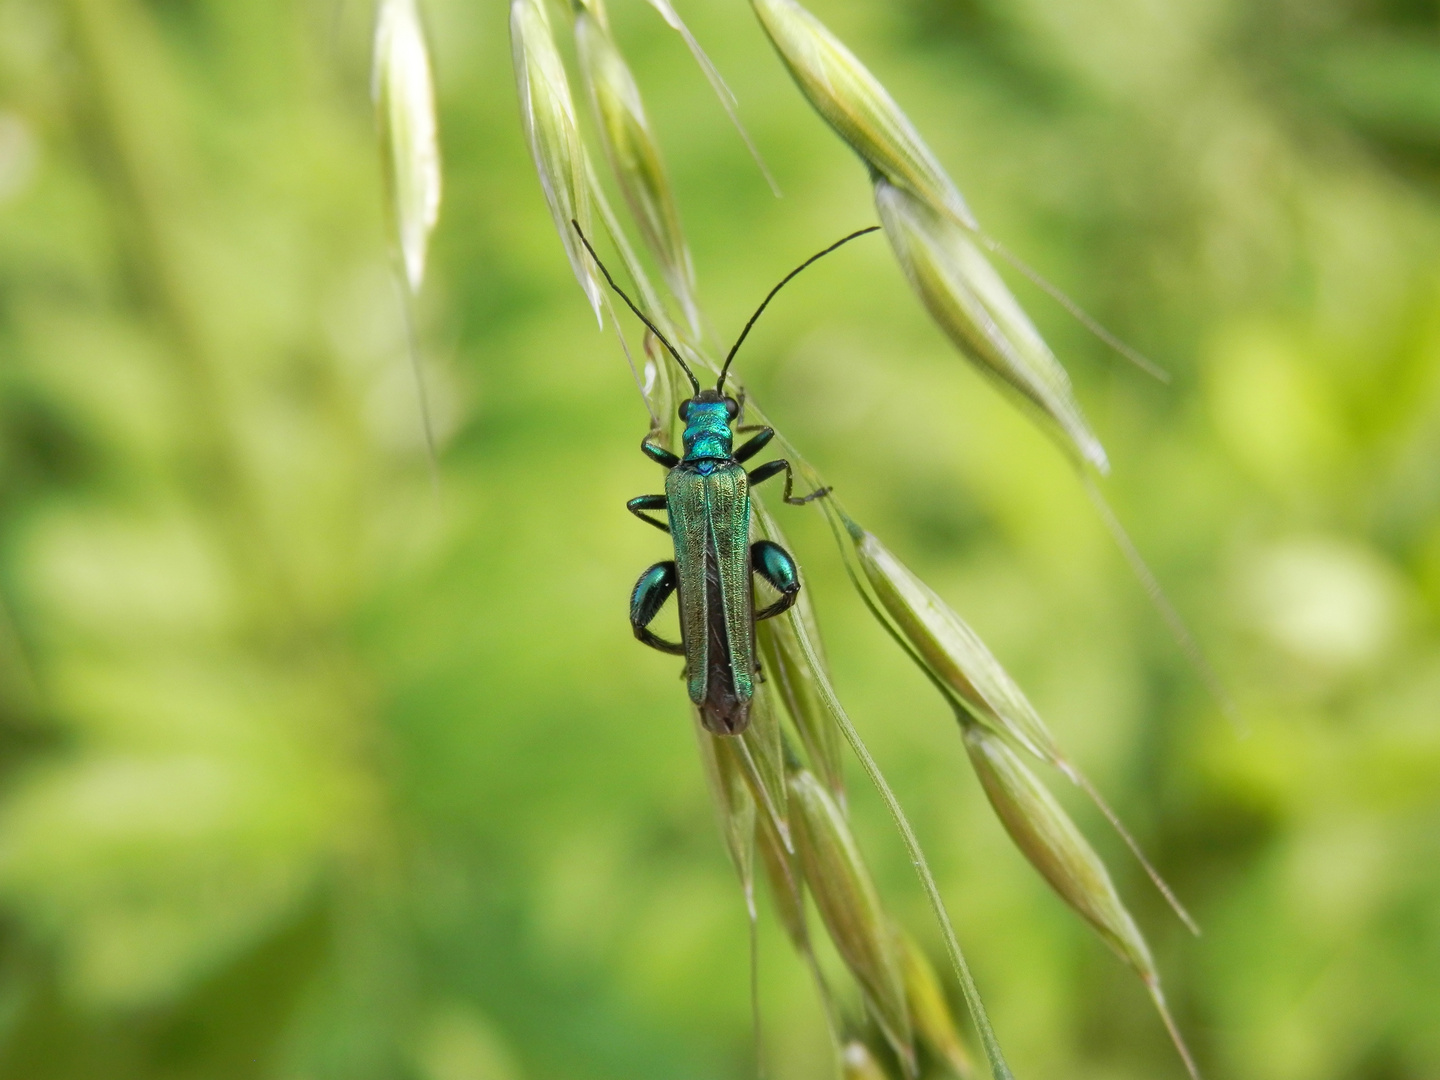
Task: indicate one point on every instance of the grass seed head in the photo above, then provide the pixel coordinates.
(853, 102)
(404, 94)
(967, 297)
(849, 905)
(634, 157)
(858, 1063)
(930, 1011)
(1044, 833)
(547, 114)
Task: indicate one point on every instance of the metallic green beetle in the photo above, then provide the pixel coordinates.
(707, 499)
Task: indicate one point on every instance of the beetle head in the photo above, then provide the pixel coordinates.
(710, 397)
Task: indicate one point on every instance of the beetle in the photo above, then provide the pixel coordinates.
(707, 502)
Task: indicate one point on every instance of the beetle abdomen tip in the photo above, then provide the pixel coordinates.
(728, 717)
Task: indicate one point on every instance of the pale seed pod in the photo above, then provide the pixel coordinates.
(972, 304)
(760, 748)
(930, 1012)
(783, 874)
(853, 102)
(798, 683)
(849, 905)
(734, 805)
(634, 155)
(404, 95)
(950, 650)
(547, 114)
(1052, 843)
(858, 1063)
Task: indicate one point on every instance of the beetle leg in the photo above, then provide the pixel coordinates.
(658, 454)
(641, 503)
(775, 566)
(764, 472)
(649, 596)
(740, 415)
(751, 447)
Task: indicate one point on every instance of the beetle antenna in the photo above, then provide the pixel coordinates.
(638, 313)
(783, 282)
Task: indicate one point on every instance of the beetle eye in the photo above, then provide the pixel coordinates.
(685, 410)
(732, 407)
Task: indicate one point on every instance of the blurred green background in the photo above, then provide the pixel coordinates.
(304, 777)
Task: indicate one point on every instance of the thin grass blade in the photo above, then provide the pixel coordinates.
(734, 805)
(717, 83)
(762, 743)
(786, 889)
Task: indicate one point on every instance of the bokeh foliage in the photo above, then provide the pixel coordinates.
(307, 776)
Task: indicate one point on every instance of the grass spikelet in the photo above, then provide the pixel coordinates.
(858, 1063)
(634, 155)
(783, 874)
(794, 681)
(1052, 843)
(404, 95)
(798, 687)
(850, 907)
(854, 103)
(734, 805)
(930, 1012)
(970, 676)
(547, 115)
(761, 745)
(787, 890)
(949, 649)
(929, 224)
(977, 311)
